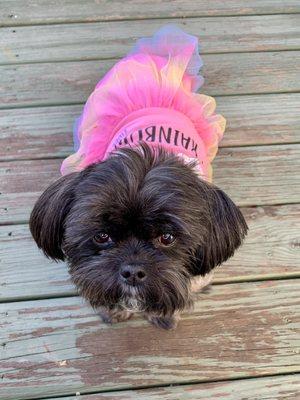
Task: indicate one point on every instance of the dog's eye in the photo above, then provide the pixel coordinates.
(101, 238)
(166, 239)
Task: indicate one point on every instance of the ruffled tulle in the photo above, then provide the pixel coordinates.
(161, 72)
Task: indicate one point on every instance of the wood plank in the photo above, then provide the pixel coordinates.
(59, 346)
(262, 175)
(27, 12)
(72, 82)
(38, 132)
(277, 387)
(102, 40)
(272, 246)
(24, 271)
(44, 132)
(271, 250)
(261, 119)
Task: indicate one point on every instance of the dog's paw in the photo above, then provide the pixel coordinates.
(114, 316)
(202, 283)
(167, 323)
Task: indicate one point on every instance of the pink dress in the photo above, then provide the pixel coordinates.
(150, 96)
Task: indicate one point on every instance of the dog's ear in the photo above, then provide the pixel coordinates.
(225, 229)
(48, 215)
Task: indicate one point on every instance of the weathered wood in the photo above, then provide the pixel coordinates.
(24, 12)
(271, 250)
(113, 40)
(262, 119)
(72, 82)
(262, 175)
(38, 132)
(272, 245)
(43, 132)
(269, 388)
(24, 271)
(59, 346)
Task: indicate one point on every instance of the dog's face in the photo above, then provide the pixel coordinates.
(135, 228)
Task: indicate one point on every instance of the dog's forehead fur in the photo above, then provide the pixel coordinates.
(135, 194)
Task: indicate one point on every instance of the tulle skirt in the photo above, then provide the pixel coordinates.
(150, 95)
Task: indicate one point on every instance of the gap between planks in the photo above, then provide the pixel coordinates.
(72, 82)
(196, 389)
(83, 42)
(81, 103)
(115, 60)
(158, 18)
(22, 12)
(218, 282)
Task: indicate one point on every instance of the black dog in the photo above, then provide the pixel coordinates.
(136, 229)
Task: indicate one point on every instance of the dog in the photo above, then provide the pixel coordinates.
(136, 230)
(135, 216)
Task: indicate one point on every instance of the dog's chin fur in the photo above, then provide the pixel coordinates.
(135, 196)
(166, 289)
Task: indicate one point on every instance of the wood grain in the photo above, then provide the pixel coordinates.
(271, 250)
(270, 388)
(24, 12)
(72, 82)
(259, 175)
(59, 346)
(262, 175)
(261, 119)
(43, 132)
(38, 132)
(24, 271)
(56, 346)
(46, 43)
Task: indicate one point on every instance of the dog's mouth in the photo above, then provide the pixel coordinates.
(132, 304)
(131, 299)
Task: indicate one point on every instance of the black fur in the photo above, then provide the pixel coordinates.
(135, 196)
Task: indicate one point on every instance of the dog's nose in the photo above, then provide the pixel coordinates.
(133, 274)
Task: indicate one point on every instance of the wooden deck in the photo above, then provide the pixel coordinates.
(242, 339)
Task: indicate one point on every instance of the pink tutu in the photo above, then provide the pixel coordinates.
(149, 96)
